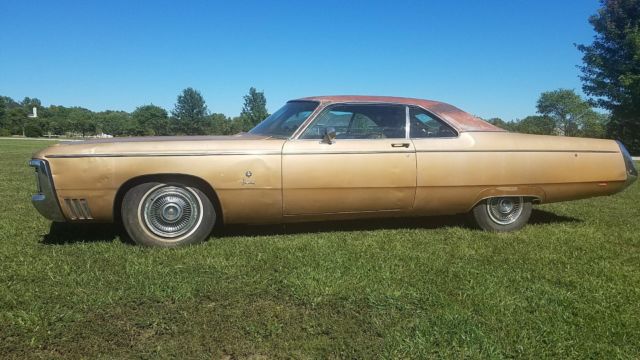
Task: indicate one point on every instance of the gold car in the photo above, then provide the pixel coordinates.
(322, 158)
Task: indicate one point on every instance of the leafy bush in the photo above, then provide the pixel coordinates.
(32, 129)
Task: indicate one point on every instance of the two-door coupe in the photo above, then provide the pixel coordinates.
(320, 158)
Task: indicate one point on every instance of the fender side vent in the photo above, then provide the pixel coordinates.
(78, 209)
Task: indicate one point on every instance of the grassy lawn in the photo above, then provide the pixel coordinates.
(567, 286)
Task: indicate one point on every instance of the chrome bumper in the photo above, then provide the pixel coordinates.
(45, 201)
(630, 179)
(632, 172)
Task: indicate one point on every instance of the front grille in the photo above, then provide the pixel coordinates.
(78, 209)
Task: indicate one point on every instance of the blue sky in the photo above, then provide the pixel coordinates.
(491, 58)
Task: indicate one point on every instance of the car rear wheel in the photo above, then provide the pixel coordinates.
(502, 213)
(167, 214)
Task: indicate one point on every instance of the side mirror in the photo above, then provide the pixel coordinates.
(329, 135)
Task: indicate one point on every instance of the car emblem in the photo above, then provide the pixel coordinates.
(246, 180)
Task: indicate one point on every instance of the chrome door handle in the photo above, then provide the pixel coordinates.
(404, 145)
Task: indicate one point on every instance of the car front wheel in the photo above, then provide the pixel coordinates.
(502, 213)
(167, 214)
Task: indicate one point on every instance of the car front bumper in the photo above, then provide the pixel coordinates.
(45, 201)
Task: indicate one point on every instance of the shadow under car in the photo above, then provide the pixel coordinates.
(66, 233)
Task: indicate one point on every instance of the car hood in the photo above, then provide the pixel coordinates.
(164, 146)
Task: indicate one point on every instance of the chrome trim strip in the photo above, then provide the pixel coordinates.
(522, 151)
(45, 201)
(440, 151)
(277, 152)
(435, 138)
(209, 153)
(407, 123)
(487, 131)
(342, 140)
(355, 152)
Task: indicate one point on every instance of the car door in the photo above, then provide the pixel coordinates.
(369, 166)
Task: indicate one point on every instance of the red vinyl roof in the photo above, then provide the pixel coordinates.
(462, 120)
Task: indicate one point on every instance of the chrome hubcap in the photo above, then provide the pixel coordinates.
(171, 211)
(505, 210)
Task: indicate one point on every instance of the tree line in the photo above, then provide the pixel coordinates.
(190, 116)
(560, 112)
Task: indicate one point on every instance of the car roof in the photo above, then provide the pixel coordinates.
(460, 119)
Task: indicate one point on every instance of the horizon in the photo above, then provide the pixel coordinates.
(494, 62)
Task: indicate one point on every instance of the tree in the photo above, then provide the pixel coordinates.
(9, 103)
(218, 124)
(254, 109)
(10, 119)
(190, 113)
(566, 108)
(539, 125)
(14, 121)
(116, 123)
(57, 118)
(3, 108)
(151, 120)
(594, 125)
(238, 125)
(509, 126)
(33, 128)
(497, 122)
(611, 70)
(82, 121)
(28, 103)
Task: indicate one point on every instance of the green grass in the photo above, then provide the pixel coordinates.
(566, 286)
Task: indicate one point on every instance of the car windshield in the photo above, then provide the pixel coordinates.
(285, 121)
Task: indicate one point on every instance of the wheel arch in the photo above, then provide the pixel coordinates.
(186, 179)
(535, 194)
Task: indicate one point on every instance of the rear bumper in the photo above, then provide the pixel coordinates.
(630, 179)
(630, 168)
(45, 201)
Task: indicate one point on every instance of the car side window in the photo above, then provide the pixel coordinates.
(360, 121)
(425, 125)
